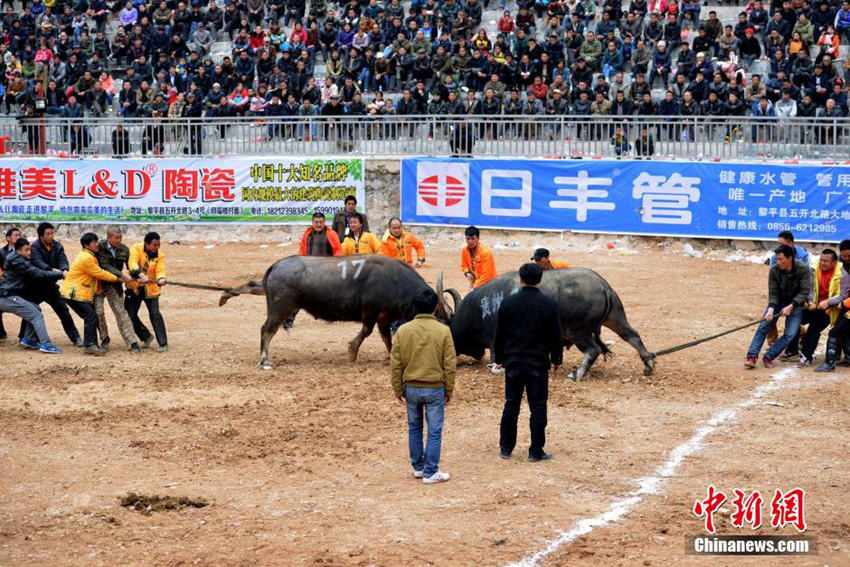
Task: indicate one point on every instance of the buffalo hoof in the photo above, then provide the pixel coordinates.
(224, 297)
(352, 354)
(572, 376)
(648, 366)
(266, 366)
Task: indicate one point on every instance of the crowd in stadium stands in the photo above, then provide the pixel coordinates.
(573, 58)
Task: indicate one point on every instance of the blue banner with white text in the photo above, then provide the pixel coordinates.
(703, 200)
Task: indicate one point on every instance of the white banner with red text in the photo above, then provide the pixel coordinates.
(278, 190)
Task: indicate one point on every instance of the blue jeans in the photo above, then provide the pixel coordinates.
(792, 327)
(433, 401)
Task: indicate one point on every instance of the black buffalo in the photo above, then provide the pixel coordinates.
(371, 289)
(586, 303)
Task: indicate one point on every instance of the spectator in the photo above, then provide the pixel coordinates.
(120, 141)
(620, 143)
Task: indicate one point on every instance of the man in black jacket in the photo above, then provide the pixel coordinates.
(528, 337)
(340, 222)
(789, 286)
(12, 235)
(112, 256)
(48, 254)
(18, 279)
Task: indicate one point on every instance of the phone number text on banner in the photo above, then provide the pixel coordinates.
(240, 189)
(717, 200)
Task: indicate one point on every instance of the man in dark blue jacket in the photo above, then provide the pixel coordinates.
(12, 235)
(19, 278)
(528, 338)
(47, 255)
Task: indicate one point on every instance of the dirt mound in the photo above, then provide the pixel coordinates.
(156, 503)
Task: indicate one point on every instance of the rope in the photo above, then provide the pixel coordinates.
(200, 286)
(704, 339)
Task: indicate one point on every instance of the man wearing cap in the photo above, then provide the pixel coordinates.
(541, 258)
(750, 48)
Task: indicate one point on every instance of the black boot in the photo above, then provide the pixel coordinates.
(846, 343)
(833, 346)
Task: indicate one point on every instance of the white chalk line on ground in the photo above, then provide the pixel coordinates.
(652, 484)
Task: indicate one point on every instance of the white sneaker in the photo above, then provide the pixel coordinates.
(436, 477)
(418, 474)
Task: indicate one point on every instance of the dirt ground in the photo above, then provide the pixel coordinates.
(307, 464)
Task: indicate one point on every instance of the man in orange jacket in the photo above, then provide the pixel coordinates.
(476, 260)
(399, 244)
(318, 240)
(541, 258)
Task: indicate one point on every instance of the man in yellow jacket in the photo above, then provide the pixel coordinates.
(399, 244)
(80, 287)
(147, 263)
(358, 240)
(423, 365)
(823, 307)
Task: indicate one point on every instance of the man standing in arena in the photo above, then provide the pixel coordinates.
(79, 288)
(528, 338)
(317, 240)
(359, 240)
(423, 365)
(12, 236)
(147, 263)
(112, 256)
(541, 258)
(476, 260)
(399, 244)
(789, 288)
(48, 254)
(342, 219)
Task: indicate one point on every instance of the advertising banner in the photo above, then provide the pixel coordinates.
(231, 189)
(694, 199)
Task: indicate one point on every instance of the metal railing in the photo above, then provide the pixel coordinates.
(744, 138)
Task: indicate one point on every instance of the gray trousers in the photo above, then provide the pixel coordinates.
(116, 302)
(36, 330)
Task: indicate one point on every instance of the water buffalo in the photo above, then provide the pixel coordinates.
(372, 289)
(585, 300)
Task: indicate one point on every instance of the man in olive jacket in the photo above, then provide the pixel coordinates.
(112, 256)
(423, 364)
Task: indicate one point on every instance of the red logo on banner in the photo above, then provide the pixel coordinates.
(441, 191)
